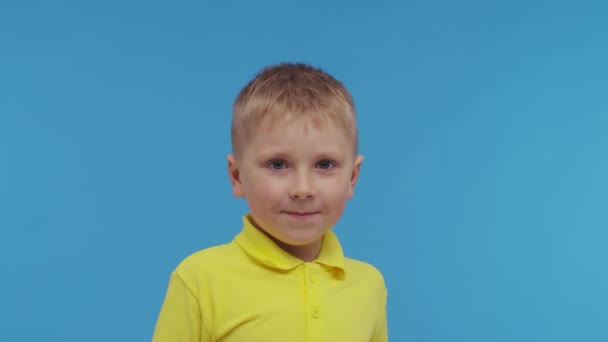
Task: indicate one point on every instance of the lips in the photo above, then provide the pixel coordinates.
(301, 213)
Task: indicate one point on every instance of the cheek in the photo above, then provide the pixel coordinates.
(263, 189)
(337, 192)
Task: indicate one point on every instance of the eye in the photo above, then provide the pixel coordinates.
(325, 164)
(277, 164)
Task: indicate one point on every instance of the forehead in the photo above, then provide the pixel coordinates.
(297, 133)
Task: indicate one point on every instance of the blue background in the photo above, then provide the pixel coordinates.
(484, 192)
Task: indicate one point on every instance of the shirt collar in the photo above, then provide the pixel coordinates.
(260, 247)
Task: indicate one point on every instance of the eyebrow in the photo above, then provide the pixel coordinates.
(278, 152)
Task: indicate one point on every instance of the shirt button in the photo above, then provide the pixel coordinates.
(313, 278)
(316, 313)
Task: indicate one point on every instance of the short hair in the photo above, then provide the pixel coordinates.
(292, 90)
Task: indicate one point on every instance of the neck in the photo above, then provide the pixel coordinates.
(307, 253)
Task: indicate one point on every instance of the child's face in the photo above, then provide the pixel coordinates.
(296, 179)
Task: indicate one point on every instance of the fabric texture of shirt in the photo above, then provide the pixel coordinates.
(251, 290)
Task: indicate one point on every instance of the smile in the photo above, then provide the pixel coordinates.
(300, 215)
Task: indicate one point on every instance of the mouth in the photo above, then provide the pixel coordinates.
(301, 214)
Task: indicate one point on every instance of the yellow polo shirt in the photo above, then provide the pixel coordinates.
(251, 290)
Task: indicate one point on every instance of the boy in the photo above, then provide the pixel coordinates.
(284, 277)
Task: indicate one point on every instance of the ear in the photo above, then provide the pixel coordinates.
(355, 175)
(235, 177)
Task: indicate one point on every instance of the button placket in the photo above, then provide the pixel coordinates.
(314, 275)
(315, 305)
(314, 310)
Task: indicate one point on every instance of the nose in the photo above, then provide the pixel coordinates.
(302, 187)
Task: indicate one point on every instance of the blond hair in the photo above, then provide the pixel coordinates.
(292, 90)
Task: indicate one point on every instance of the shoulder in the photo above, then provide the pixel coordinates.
(365, 282)
(362, 271)
(207, 261)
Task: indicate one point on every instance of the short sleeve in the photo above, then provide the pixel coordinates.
(180, 316)
(381, 329)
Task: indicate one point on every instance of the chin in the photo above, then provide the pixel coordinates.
(301, 240)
